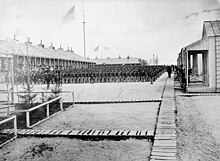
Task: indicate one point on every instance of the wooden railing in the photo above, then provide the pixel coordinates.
(14, 118)
(47, 105)
(43, 93)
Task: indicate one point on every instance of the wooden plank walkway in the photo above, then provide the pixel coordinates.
(197, 94)
(165, 142)
(117, 101)
(82, 133)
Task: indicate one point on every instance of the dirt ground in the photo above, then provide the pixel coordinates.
(108, 91)
(198, 128)
(65, 149)
(126, 116)
(133, 116)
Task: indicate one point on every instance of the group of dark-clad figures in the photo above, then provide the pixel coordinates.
(93, 74)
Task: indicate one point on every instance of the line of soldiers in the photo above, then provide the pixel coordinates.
(93, 74)
(181, 77)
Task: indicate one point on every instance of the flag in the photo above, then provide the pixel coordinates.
(70, 15)
(157, 60)
(97, 48)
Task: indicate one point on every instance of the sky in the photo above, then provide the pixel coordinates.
(135, 28)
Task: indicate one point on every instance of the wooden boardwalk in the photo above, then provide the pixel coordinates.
(197, 94)
(165, 141)
(148, 134)
(118, 101)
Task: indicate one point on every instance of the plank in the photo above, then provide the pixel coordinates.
(165, 143)
(18, 130)
(120, 133)
(52, 132)
(88, 132)
(163, 158)
(126, 133)
(132, 133)
(101, 132)
(80, 133)
(143, 133)
(74, 132)
(138, 133)
(65, 132)
(105, 133)
(150, 133)
(27, 133)
(164, 149)
(40, 132)
(46, 132)
(4, 131)
(83, 132)
(11, 131)
(33, 132)
(58, 132)
(166, 132)
(96, 132)
(113, 133)
(163, 154)
(23, 131)
(92, 132)
(164, 137)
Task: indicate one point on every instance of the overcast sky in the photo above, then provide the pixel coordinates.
(138, 28)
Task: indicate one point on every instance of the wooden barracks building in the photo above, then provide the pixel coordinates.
(201, 60)
(41, 55)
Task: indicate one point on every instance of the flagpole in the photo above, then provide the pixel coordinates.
(84, 31)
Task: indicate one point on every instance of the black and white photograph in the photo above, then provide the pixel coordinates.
(109, 80)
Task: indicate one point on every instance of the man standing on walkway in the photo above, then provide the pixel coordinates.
(169, 71)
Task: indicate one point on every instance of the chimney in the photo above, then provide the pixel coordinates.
(51, 46)
(41, 44)
(68, 49)
(28, 42)
(14, 39)
(61, 49)
(71, 50)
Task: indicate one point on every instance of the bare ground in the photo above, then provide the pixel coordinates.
(198, 128)
(126, 116)
(133, 116)
(65, 149)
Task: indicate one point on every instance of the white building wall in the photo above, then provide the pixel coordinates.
(211, 64)
(217, 56)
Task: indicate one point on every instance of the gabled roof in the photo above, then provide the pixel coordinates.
(16, 48)
(211, 28)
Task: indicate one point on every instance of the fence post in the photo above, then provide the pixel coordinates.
(61, 104)
(42, 97)
(28, 119)
(73, 97)
(15, 126)
(12, 98)
(48, 112)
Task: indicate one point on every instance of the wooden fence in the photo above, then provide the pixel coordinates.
(14, 118)
(46, 106)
